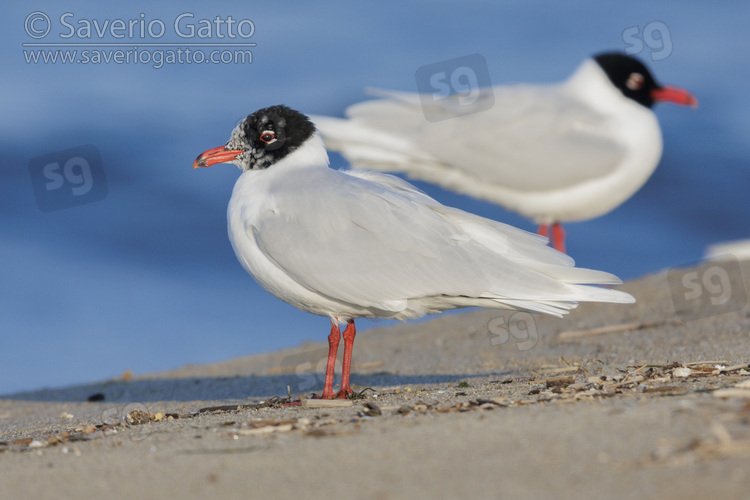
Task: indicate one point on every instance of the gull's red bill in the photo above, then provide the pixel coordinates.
(676, 95)
(216, 155)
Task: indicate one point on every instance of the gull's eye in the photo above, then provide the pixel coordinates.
(635, 81)
(268, 137)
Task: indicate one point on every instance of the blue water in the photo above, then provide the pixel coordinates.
(145, 278)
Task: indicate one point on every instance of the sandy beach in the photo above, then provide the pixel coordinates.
(644, 401)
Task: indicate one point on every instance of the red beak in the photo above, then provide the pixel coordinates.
(676, 95)
(216, 155)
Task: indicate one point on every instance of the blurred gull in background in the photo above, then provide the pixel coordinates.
(554, 153)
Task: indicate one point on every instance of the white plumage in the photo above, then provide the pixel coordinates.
(362, 244)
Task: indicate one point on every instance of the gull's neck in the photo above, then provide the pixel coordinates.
(312, 153)
(591, 84)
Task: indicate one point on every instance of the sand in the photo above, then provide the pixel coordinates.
(644, 401)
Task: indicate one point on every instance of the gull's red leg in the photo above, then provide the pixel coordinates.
(543, 230)
(349, 332)
(333, 347)
(558, 237)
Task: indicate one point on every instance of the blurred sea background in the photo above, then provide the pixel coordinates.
(145, 279)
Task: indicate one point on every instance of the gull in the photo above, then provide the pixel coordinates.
(554, 153)
(354, 244)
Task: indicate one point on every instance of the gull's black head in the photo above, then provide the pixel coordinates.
(629, 75)
(261, 139)
(634, 80)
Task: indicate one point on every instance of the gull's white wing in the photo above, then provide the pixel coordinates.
(375, 241)
(532, 138)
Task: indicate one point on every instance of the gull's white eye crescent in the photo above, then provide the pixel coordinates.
(268, 137)
(635, 81)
